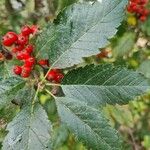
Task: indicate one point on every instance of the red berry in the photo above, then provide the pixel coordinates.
(19, 56)
(43, 62)
(29, 62)
(17, 70)
(9, 39)
(14, 50)
(22, 55)
(22, 40)
(129, 9)
(26, 69)
(52, 75)
(59, 77)
(145, 12)
(143, 18)
(25, 74)
(25, 55)
(18, 48)
(55, 75)
(29, 49)
(142, 2)
(26, 30)
(139, 8)
(35, 29)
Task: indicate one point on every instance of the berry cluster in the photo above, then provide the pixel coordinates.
(21, 49)
(139, 8)
(55, 75)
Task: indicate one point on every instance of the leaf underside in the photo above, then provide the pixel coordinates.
(124, 45)
(9, 88)
(101, 84)
(30, 129)
(88, 124)
(79, 31)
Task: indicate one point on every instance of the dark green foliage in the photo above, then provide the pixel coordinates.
(101, 84)
(9, 88)
(79, 31)
(78, 109)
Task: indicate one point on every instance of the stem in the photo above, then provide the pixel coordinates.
(52, 84)
(35, 97)
(48, 71)
(46, 75)
(50, 93)
(42, 83)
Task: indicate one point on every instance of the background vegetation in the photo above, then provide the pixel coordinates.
(130, 47)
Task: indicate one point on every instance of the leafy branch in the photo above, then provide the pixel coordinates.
(77, 32)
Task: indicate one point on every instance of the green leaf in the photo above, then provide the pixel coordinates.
(30, 129)
(145, 26)
(23, 97)
(101, 84)
(62, 4)
(9, 89)
(1, 70)
(120, 114)
(88, 125)
(124, 44)
(60, 136)
(79, 31)
(6, 70)
(144, 68)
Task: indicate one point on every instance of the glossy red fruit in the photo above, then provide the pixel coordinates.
(29, 48)
(9, 39)
(22, 40)
(26, 30)
(145, 12)
(59, 77)
(29, 62)
(26, 69)
(143, 18)
(17, 70)
(52, 75)
(19, 56)
(139, 8)
(35, 29)
(17, 48)
(22, 55)
(25, 75)
(142, 2)
(43, 62)
(25, 55)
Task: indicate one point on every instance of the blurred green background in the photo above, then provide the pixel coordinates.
(130, 47)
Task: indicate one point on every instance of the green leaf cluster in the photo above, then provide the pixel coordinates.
(79, 31)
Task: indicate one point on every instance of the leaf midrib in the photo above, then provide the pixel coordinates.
(86, 123)
(13, 87)
(59, 57)
(99, 86)
(84, 34)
